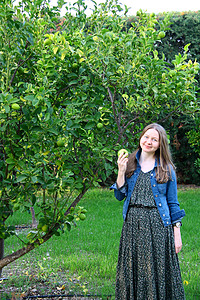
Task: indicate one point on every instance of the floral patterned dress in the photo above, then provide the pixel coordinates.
(148, 267)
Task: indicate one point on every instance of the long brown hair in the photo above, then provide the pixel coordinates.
(163, 155)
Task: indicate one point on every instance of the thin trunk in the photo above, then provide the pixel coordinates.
(34, 222)
(1, 253)
(19, 253)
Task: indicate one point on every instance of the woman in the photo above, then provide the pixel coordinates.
(148, 267)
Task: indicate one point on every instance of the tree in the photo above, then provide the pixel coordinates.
(136, 80)
(71, 96)
(47, 146)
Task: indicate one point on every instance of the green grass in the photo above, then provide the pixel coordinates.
(84, 259)
(189, 257)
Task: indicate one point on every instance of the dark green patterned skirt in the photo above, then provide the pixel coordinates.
(148, 267)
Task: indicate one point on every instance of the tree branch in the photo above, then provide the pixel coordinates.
(12, 257)
(21, 252)
(20, 63)
(171, 113)
(75, 202)
(115, 112)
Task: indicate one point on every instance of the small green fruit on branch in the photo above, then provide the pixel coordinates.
(161, 35)
(82, 217)
(60, 142)
(99, 125)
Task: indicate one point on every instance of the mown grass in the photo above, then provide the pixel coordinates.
(189, 257)
(84, 259)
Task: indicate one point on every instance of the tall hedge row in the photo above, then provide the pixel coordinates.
(184, 29)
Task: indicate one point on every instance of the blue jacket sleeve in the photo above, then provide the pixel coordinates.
(120, 193)
(175, 212)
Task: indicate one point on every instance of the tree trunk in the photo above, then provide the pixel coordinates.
(34, 222)
(1, 252)
(19, 253)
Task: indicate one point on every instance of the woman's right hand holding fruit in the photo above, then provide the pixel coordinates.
(122, 165)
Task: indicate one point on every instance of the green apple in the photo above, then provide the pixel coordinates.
(99, 125)
(161, 35)
(45, 228)
(60, 142)
(82, 216)
(123, 151)
(47, 42)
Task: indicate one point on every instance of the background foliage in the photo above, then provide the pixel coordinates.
(183, 29)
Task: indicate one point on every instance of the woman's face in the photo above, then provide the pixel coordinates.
(150, 141)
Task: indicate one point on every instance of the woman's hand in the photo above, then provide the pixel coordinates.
(122, 165)
(177, 239)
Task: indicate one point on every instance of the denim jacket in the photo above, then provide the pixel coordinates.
(165, 194)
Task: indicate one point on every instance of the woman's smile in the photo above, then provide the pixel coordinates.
(150, 140)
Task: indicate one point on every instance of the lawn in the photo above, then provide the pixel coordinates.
(83, 261)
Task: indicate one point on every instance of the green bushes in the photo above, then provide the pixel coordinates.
(184, 29)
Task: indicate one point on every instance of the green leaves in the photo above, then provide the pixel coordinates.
(21, 178)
